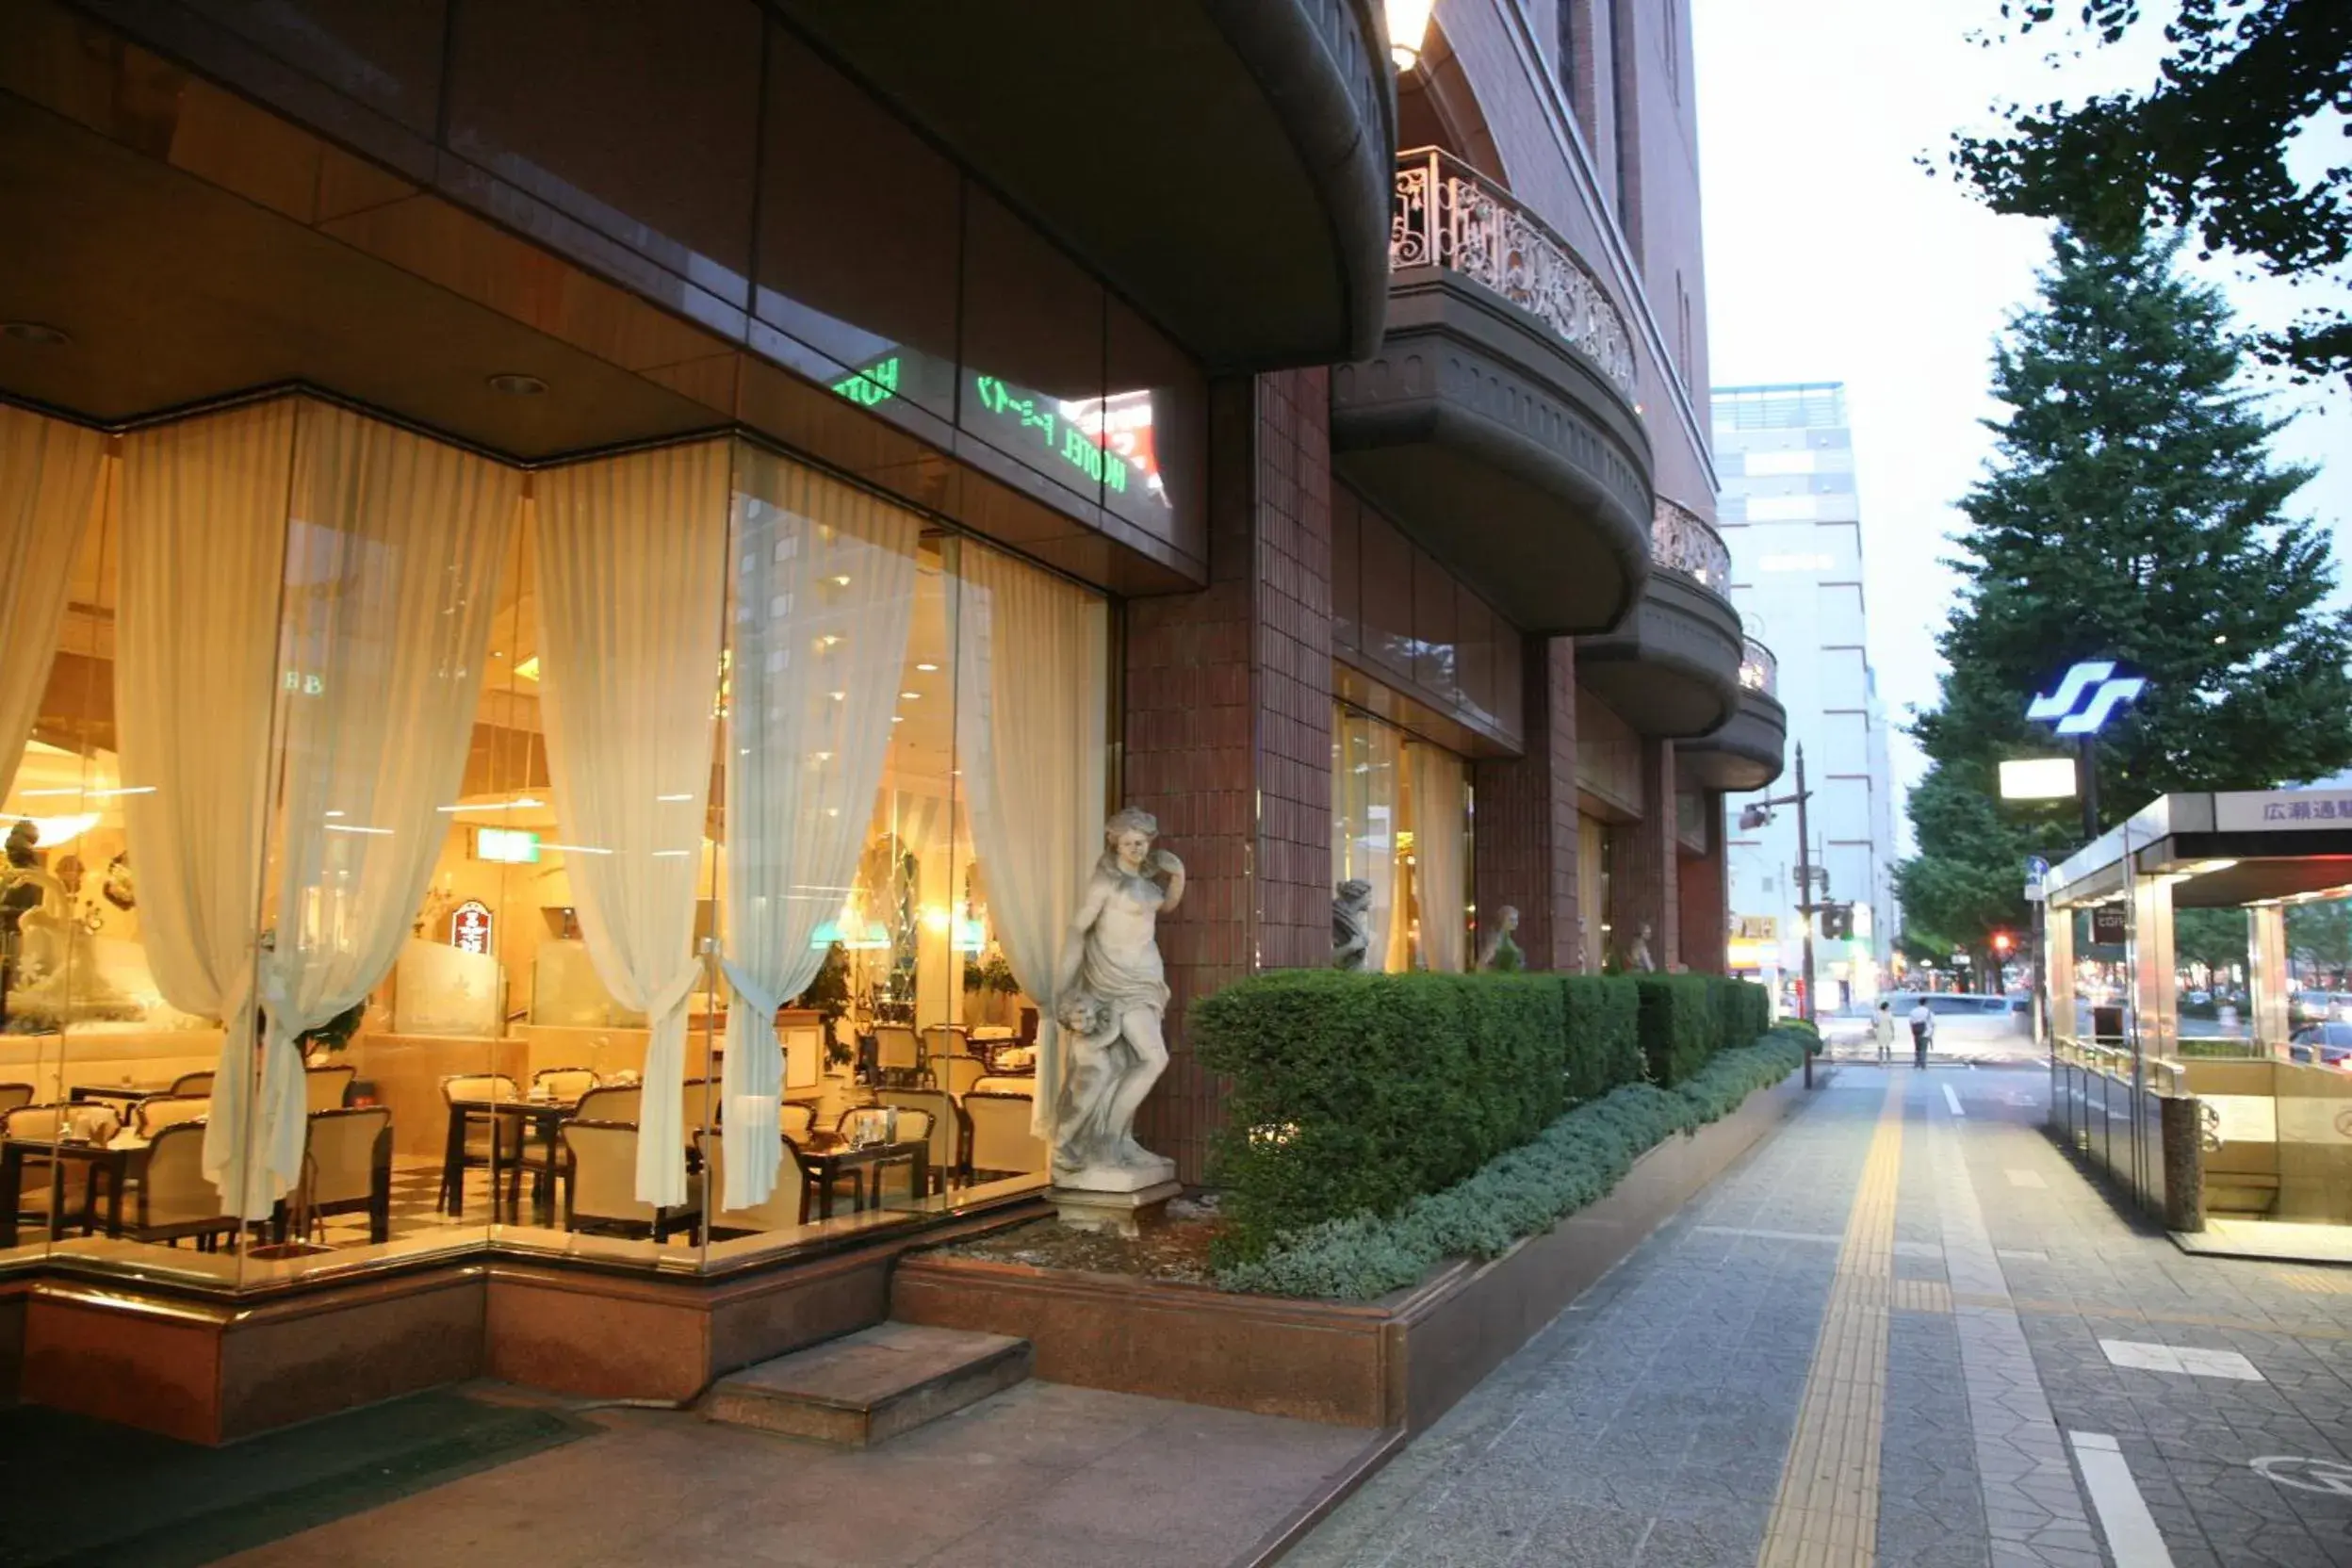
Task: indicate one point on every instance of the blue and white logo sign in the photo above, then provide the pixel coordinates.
(2086, 698)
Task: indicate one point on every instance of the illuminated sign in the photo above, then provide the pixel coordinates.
(2038, 778)
(507, 845)
(2086, 698)
(1106, 439)
(469, 925)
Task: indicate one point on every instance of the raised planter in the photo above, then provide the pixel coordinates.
(1399, 1362)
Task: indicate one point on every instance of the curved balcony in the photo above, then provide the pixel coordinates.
(1496, 423)
(1256, 233)
(1752, 747)
(1676, 668)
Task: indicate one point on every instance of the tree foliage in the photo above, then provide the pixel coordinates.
(2319, 937)
(2204, 149)
(2131, 513)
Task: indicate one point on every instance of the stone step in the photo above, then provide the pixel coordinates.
(868, 1387)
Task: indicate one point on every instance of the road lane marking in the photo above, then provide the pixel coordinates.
(1826, 1512)
(2187, 1360)
(1954, 1100)
(2132, 1537)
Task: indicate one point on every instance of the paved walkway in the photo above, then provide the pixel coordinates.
(1906, 1331)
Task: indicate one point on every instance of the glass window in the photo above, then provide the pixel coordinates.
(1400, 834)
(1033, 353)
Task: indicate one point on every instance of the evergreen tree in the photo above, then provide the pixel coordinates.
(2131, 513)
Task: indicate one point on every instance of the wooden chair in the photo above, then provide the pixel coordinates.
(1008, 1082)
(897, 1053)
(39, 1194)
(490, 1141)
(564, 1083)
(159, 1111)
(795, 1120)
(13, 1095)
(947, 1126)
(619, 1103)
(348, 1166)
(193, 1083)
(600, 1185)
(326, 1088)
(1002, 1143)
(174, 1199)
(963, 1074)
(785, 1207)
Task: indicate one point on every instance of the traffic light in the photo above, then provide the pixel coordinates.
(1838, 922)
(2003, 943)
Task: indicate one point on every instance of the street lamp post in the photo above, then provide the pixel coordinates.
(1756, 814)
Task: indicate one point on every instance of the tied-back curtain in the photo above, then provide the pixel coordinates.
(824, 592)
(48, 478)
(204, 542)
(1439, 807)
(392, 557)
(632, 571)
(1030, 715)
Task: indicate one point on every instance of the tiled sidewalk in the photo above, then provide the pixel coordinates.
(1946, 1416)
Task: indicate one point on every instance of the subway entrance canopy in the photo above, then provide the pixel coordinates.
(2237, 1135)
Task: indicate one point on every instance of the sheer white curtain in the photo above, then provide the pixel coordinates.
(204, 542)
(632, 571)
(391, 574)
(1032, 702)
(1439, 805)
(825, 591)
(48, 478)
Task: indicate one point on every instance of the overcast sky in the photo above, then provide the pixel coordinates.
(1831, 256)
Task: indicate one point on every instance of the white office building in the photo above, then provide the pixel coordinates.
(1791, 515)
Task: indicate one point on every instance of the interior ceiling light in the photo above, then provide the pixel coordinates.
(516, 385)
(39, 334)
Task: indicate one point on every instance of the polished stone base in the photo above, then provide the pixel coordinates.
(1123, 1213)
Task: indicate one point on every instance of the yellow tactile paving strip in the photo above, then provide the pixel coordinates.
(1826, 1514)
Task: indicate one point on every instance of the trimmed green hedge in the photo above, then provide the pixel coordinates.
(1353, 1093)
(1578, 1158)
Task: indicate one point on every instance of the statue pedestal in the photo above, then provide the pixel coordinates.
(1112, 1212)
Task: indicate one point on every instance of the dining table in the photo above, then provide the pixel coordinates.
(827, 1157)
(115, 1161)
(126, 1095)
(541, 1119)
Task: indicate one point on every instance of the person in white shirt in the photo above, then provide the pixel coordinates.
(1922, 1032)
(1883, 1031)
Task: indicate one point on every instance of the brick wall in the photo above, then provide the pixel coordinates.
(1229, 728)
(1525, 848)
(1704, 898)
(1644, 879)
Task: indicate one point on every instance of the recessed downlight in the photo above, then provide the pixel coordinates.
(39, 334)
(516, 385)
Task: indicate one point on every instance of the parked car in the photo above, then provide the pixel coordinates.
(2314, 1006)
(2322, 1045)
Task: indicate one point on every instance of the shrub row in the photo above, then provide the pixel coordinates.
(1685, 1019)
(1359, 1093)
(1578, 1158)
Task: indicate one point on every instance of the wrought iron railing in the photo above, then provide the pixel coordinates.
(1449, 215)
(1684, 541)
(1760, 670)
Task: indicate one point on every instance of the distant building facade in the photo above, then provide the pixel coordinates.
(1792, 517)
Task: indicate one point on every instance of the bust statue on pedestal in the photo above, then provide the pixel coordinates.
(1352, 925)
(1501, 951)
(1110, 995)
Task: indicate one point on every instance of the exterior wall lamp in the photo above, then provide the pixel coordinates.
(1408, 25)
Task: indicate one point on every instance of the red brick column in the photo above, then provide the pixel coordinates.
(1706, 896)
(1525, 830)
(1229, 728)
(1644, 879)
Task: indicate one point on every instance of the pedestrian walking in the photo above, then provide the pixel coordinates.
(1883, 1031)
(1922, 1032)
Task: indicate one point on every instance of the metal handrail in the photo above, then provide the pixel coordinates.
(1759, 669)
(1449, 215)
(1687, 542)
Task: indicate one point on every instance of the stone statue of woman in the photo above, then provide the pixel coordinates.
(1351, 924)
(1111, 977)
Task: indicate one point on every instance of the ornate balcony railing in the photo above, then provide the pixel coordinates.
(1760, 670)
(1449, 215)
(1684, 541)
